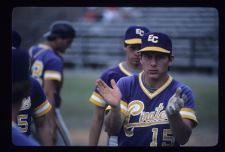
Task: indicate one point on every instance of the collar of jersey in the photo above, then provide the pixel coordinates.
(128, 73)
(45, 46)
(158, 91)
(49, 48)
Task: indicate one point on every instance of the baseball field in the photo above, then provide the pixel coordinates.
(77, 110)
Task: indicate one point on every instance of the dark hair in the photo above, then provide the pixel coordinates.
(168, 54)
(60, 29)
(20, 90)
(20, 74)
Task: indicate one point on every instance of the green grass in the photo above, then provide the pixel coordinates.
(76, 108)
(78, 86)
(205, 89)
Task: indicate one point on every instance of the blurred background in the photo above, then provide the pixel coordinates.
(99, 44)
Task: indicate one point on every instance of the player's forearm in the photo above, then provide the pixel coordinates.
(49, 89)
(96, 125)
(44, 131)
(51, 116)
(95, 131)
(94, 134)
(180, 129)
(53, 126)
(93, 138)
(113, 121)
(45, 137)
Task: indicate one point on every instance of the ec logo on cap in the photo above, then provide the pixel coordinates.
(153, 39)
(140, 32)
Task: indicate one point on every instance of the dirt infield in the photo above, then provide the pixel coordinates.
(80, 137)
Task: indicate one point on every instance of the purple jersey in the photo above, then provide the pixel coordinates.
(47, 65)
(19, 139)
(146, 122)
(35, 105)
(115, 73)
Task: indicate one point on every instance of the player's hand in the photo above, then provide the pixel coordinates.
(111, 95)
(175, 103)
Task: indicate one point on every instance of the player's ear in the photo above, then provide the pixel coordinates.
(125, 46)
(140, 58)
(171, 59)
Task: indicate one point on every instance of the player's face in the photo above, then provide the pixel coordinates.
(131, 53)
(63, 44)
(155, 64)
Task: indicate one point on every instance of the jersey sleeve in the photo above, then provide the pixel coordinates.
(39, 100)
(53, 70)
(188, 110)
(96, 98)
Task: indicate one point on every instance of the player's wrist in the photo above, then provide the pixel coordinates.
(116, 106)
(172, 113)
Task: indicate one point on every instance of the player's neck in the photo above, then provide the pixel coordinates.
(154, 84)
(50, 45)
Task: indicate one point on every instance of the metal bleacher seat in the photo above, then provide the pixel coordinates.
(194, 32)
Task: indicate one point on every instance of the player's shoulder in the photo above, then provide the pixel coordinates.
(129, 79)
(36, 87)
(112, 69)
(182, 85)
(33, 50)
(50, 57)
(111, 72)
(43, 50)
(128, 82)
(34, 82)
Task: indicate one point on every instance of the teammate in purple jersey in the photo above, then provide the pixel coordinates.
(20, 88)
(151, 108)
(47, 68)
(131, 65)
(34, 106)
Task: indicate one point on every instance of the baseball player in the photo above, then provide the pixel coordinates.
(151, 108)
(47, 68)
(34, 106)
(131, 65)
(20, 89)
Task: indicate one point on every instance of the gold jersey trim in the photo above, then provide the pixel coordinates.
(97, 99)
(124, 70)
(158, 91)
(42, 109)
(52, 75)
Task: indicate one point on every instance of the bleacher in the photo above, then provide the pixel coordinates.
(194, 33)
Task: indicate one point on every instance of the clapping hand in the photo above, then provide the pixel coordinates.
(111, 95)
